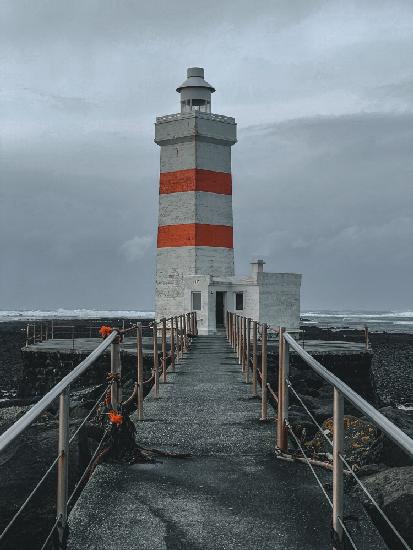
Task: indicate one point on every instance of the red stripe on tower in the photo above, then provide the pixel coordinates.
(195, 179)
(195, 234)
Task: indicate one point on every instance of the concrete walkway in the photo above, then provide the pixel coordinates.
(232, 494)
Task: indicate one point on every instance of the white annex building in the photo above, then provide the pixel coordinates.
(195, 254)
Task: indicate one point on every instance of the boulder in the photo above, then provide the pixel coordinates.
(392, 454)
(362, 441)
(392, 489)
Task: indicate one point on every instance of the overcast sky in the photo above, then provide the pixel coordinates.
(322, 92)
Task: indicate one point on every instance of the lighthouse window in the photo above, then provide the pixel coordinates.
(239, 301)
(196, 301)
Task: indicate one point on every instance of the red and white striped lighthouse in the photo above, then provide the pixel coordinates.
(195, 233)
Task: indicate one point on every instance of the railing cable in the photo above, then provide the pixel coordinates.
(92, 410)
(373, 501)
(28, 499)
(310, 465)
(320, 428)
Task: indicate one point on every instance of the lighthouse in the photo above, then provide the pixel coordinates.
(195, 242)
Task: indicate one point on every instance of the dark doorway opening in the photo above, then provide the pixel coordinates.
(219, 309)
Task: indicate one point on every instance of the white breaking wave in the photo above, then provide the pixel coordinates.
(61, 313)
(358, 315)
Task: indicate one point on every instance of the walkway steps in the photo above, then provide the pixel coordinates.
(232, 493)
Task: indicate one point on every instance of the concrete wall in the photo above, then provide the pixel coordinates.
(272, 298)
(279, 299)
(199, 283)
(173, 264)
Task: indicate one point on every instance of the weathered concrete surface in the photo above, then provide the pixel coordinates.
(232, 493)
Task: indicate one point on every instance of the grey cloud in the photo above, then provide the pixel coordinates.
(329, 196)
(334, 197)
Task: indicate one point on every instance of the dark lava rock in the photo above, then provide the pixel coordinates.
(362, 441)
(303, 427)
(392, 489)
(392, 454)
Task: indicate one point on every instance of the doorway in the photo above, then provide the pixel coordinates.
(219, 309)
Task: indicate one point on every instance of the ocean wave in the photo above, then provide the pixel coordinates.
(358, 314)
(61, 313)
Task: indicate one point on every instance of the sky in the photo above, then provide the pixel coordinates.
(322, 92)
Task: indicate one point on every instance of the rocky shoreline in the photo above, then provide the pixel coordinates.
(385, 470)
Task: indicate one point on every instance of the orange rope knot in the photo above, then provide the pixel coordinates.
(113, 376)
(115, 417)
(104, 331)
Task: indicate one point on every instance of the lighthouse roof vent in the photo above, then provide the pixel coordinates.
(195, 79)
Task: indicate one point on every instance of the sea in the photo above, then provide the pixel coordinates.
(61, 313)
(377, 321)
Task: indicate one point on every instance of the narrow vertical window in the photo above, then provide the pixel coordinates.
(196, 301)
(239, 301)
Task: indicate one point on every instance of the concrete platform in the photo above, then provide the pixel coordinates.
(233, 493)
(87, 345)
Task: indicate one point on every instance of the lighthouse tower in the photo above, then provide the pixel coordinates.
(195, 234)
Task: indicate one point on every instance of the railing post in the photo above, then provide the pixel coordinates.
(63, 466)
(175, 320)
(196, 322)
(234, 328)
(283, 375)
(247, 350)
(243, 343)
(254, 357)
(52, 329)
(163, 321)
(34, 332)
(181, 337)
(236, 334)
(239, 338)
(172, 345)
(139, 356)
(366, 336)
(188, 326)
(156, 358)
(264, 399)
(27, 334)
(185, 333)
(338, 480)
(115, 369)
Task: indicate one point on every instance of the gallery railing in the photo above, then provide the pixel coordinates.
(240, 331)
(178, 330)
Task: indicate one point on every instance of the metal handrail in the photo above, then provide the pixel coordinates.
(391, 430)
(24, 422)
(61, 390)
(238, 338)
